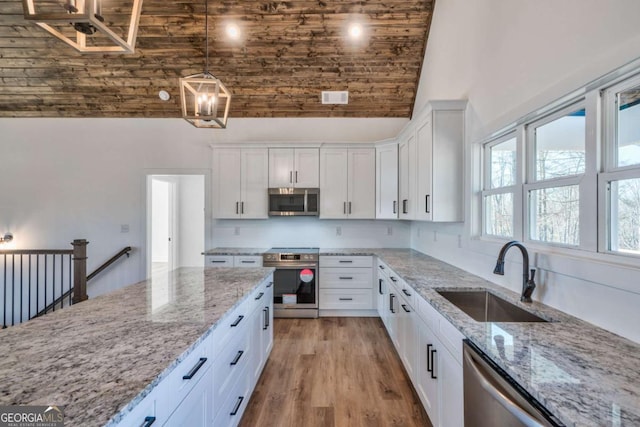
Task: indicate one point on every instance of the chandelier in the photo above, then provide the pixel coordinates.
(205, 100)
(76, 22)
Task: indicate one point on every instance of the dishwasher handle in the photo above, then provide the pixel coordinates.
(525, 418)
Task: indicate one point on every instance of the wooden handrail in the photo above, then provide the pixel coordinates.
(124, 251)
(110, 261)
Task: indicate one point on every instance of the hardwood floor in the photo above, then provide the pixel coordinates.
(333, 372)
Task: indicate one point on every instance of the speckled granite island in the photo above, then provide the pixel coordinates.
(100, 357)
(583, 374)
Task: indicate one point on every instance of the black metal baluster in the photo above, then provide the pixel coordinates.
(13, 290)
(69, 289)
(37, 283)
(45, 281)
(29, 311)
(21, 302)
(4, 285)
(53, 281)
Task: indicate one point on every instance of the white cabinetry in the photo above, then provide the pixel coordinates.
(429, 346)
(440, 177)
(387, 181)
(233, 261)
(347, 183)
(407, 176)
(213, 383)
(294, 167)
(240, 183)
(346, 286)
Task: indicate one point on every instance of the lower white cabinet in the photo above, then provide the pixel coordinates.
(346, 286)
(213, 384)
(429, 346)
(233, 261)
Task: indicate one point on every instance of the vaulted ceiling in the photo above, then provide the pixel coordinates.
(288, 53)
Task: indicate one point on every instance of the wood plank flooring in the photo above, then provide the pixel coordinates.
(333, 372)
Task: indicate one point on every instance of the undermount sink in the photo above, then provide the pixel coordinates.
(483, 306)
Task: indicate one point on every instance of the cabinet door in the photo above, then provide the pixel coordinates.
(425, 160)
(254, 175)
(255, 329)
(267, 328)
(281, 167)
(426, 385)
(448, 166)
(226, 182)
(196, 408)
(333, 179)
(451, 389)
(406, 177)
(306, 173)
(407, 337)
(387, 182)
(361, 183)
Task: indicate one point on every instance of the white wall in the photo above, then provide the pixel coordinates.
(63, 179)
(310, 232)
(509, 58)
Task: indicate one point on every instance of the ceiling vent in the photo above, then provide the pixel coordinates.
(335, 97)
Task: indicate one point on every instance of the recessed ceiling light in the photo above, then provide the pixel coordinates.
(355, 30)
(164, 95)
(233, 31)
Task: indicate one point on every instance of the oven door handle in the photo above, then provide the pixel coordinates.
(293, 267)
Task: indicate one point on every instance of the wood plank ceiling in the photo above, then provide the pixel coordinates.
(288, 53)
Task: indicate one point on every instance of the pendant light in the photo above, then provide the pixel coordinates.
(76, 21)
(205, 100)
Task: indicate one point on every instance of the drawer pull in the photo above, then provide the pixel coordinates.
(380, 287)
(345, 261)
(381, 267)
(391, 297)
(265, 322)
(429, 367)
(346, 278)
(404, 307)
(248, 262)
(218, 261)
(236, 359)
(270, 284)
(407, 293)
(393, 279)
(148, 421)
(237, 407)
(237, 322)
(345, 299)
(195, 369)
(433, 364)
(259, 296)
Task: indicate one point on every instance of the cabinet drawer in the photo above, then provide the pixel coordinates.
(346, 261)
(230, 411)
(231, 361)
(402, 288)
(183, 378)
(347, 299)
(143, 412)
(218, 261)
(247, 261)
(383, 268)
(340, 278)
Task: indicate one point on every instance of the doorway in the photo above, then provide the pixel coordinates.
(175, 222)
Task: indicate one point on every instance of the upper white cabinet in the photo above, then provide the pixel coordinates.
(347, 183)
(407, 176)
(294, 167)
(440, 175)
(240, 183)
(387, 181)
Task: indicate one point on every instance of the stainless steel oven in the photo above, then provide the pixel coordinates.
(295, 281)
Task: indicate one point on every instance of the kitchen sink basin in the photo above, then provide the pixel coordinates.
(483, 306)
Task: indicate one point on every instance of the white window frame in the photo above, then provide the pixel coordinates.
(611, 171)
(533, 184)
(515, 189)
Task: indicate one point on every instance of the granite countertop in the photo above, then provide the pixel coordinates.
(100, 357)
(235, 251)
(584, 375)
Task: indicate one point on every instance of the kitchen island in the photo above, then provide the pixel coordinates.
(101, 357)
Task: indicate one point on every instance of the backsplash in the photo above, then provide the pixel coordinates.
(309, 232)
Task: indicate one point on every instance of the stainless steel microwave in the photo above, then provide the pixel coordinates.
(294, 201)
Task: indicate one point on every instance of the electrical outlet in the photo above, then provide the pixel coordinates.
(389, 231)
(124, 228)
(338, 231)
(236, 231)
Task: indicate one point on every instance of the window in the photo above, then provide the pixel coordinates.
(620, 180)
(557, 161)
(501, 177)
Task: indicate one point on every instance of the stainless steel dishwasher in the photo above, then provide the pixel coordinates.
(492, 398)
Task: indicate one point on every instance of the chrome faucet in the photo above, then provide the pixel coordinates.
(528, 285)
